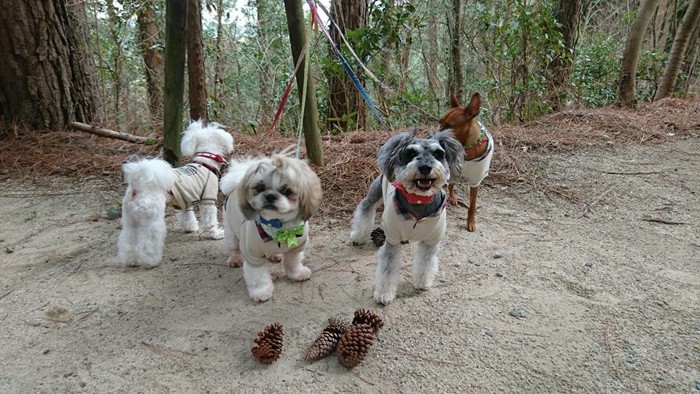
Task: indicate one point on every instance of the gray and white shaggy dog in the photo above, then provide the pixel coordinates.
(414, 173)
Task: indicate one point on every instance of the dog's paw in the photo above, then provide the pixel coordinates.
(261, 294)
(235, 260)
(384, 296)
(216, 233)
(275, 258)
(471, 226)
(423, 282)
(452, 199)
(301, 273)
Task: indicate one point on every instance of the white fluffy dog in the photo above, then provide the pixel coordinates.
(153, 183)
(269, 201)
(414, 172)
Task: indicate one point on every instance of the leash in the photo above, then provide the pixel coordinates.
(353, 77)
(369, 72)
(287, 90)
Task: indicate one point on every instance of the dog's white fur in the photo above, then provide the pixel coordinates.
(150, 182)
(422, 167)
(274, 188)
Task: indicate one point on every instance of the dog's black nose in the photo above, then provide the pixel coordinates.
(270, 197)
(425, 170)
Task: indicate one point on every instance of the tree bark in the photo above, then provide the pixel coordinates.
(456, 80)
(691, 59)
(195, 62)
(46, 68)
(218, 60)
(151, 44)
(297, 40)
(174, 88)
(568, 14)
(344, 98)
(267, 79)
(627, 92)
(680, 43)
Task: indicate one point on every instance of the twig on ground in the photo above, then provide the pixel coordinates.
(632, 173)
(602, 195)
(112, 134)
(6, 294)
(164, 350)
(662, 221)
(362, 379)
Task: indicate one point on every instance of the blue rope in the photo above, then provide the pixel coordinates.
(346, 66)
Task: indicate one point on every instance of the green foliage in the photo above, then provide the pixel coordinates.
(519, 38)
(596, 72)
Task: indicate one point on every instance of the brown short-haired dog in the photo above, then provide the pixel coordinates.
(478, 149)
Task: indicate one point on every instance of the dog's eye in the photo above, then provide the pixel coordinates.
(439, 155)
(408, 155)
(285, 191)
(259, 188)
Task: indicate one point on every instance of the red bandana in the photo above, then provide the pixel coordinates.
(412, 198)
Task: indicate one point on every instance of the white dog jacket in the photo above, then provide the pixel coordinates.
(474, 171)
(194, 184)
(257, 243)
(400, 226)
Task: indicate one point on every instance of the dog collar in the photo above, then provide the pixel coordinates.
(271, 229)
(411, 197)
(212, 156)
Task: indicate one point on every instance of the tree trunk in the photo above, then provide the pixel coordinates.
(151, 43)
(691, 59)
(344, 98)
(174, 88)
(195, 62)
(218, 60)
(456, 80)
(680, 43)
(297, 40)
(118, 64)
(627, 94)
(568, 14)
(267, 80)
(661, 26)
(46, 69)
(430, 57)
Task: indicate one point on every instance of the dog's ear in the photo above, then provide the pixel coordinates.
(190, 139)
(242, 193)
(472, 109)
(454, 103)
(454, 151)
(310, 192)
(390, 153)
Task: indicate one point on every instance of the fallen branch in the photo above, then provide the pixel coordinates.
(633, 173)
(113, 134)
(662, 221)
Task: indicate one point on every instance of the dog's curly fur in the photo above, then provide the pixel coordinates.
(422, 167)
(153, 184)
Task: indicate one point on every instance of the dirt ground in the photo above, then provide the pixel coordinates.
(597, 293)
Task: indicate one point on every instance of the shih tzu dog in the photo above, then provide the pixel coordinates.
(414, 173)
(153, 184)
(269, 201)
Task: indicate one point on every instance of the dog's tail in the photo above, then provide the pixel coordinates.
(149, 175)
(235, 173)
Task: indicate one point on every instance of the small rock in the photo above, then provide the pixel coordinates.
(518, 313)
(489, 333)
(697, 385)
(631, 359)
(499, 275)
(46, 351)
(113, 213)
(589, 264)
(82, 384)
(497, 255)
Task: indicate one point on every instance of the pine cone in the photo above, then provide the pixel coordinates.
(354, 345)
(326, 343)
(364, 316)
(378, 236)
(268, 344)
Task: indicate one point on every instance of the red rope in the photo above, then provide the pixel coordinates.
(287, 90)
